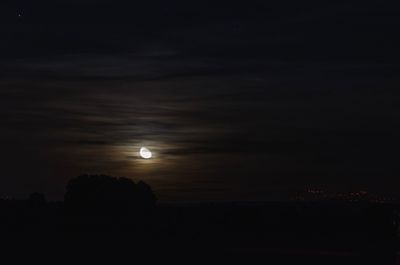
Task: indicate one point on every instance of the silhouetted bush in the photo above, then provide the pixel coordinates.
(37, 199)
(104, 194)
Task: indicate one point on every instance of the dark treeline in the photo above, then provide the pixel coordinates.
(117, 218)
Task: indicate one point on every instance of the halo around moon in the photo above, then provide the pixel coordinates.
(145, 153)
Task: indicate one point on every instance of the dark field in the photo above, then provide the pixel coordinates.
(248, 233)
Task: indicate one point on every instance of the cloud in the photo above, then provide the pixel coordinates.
(224, 97)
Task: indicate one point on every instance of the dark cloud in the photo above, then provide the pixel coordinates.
(235, 102)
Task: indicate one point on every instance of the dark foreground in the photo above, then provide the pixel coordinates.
(264, 233)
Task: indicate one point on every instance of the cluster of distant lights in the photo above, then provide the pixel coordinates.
(356, 196)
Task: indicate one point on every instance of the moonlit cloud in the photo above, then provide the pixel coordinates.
(238, 106)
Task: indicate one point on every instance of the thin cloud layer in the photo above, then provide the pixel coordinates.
(233, 106)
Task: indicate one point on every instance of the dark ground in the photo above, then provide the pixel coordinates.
(251, 233)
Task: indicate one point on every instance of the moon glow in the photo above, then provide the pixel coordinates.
(145, 153)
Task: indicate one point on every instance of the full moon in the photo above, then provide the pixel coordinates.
(145, 153)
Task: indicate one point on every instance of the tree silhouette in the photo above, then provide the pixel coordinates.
(102, 193)
(37, 198)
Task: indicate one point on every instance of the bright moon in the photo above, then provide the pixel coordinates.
(145, 153)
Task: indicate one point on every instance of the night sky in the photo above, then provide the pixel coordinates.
(237, 101)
